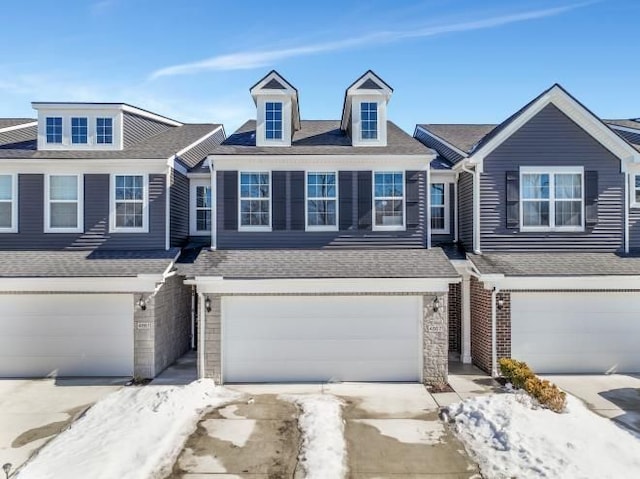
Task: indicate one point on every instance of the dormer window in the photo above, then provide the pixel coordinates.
(54, 129)
(79, 130)
(104, 131)
(273, 120)
(369, 120)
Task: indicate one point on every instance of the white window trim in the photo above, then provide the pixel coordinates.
(71, 118)
(80, 202)
(240, 198)
(46, 136)
(551, 171)
(402, 227)
(307, 198)
(193, 217)
(362, 138)
(145, 205)
(94, 131)
(633, 203)
(276, 140)
(447, 219)
(14, 204)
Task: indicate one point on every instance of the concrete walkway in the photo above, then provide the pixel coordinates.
(467, 381)
(183, 371)
(614, 396)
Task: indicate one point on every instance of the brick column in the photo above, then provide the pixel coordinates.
(435, 339)
(143, 337)
(480, 325)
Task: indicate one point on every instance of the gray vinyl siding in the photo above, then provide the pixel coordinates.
(551, 139)
(437, 239)
(465, 210)
(291, 215)
(96, 234)
(137, 128)
(444, 150)
(179, 208)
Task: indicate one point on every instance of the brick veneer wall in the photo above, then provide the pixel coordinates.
(455, 316)
(503, 325)
(480, 325)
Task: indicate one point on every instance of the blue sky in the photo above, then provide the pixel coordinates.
(458, 61)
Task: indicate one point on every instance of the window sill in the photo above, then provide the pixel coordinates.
(440, 232)
(128, 230)
(312, 229)
(63, 230)
(244, 229)
(8, 230)
(388, 228)
(553, 230)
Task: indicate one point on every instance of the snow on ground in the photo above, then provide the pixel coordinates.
(409, 431)
(324, 451)
(136, 432)
(509, 437)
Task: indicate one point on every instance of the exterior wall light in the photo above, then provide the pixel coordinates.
(142, 304)
(436, 304)
(500, 303)
(207, 304)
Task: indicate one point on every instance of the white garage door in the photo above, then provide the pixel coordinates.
(576, 332)
(319, 338)
(66, 335)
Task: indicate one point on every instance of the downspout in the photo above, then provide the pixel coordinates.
(167, 216)
(201, 335)
(455, 208)
(476, 208)
(627, 202)
(428, 208)
(193, 317)
(494, 335)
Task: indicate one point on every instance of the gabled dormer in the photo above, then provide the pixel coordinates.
(95, 126)
(278, 113)
(364, 114)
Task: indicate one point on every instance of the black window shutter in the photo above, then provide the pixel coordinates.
(230, 199)
(279, 200)
(364, 200)
(345, 199)
(591, 198)
(297, 200)
(513, 199)
(412, 185)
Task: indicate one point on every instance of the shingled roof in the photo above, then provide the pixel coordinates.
(320, 137)
(347, 263)
(99, 263)
(11, 122)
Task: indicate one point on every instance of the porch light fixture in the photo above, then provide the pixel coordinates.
(436, 304)
(142, 304)
(207, 304)
(500, 303)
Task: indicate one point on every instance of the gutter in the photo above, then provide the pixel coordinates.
(494, 335)
(627, 204)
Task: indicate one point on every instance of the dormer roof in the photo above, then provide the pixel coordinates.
(274, 83)
(367, 83)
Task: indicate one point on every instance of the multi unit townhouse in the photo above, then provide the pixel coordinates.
(316, 250)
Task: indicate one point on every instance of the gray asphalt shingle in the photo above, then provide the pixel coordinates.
(463, 137)
(320, 137)
(65, 264)
(9, 122)
(282, 264)
(556, 264)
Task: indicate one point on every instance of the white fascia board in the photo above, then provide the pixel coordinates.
(18, 127)
(48, 165)
(150, 115)
(440, 176)
(618, 127)
(576, 112)
(562, 282)
(334, 162)
(441, 140)
(335, 286)
(105, 106)
(81, 284)
(199, 175)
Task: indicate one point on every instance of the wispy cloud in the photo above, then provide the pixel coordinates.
(262, 58)
(101, 6)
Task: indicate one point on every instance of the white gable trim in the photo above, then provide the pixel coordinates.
(441, 140)
(576, 112)
(354, 90)
(622, 128)
(18, 127)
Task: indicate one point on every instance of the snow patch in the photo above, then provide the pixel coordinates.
(408, 431)
(200, 464)
(229, 412)
(509, 436)
(324, 451)
(234, 431)
(132, 433)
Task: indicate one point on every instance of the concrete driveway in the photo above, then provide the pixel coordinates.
(391, 430)
(33, 411)
(614, 396)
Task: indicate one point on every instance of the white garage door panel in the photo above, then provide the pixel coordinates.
(576, 332)
(66, 335)
(368, 338)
